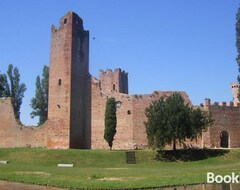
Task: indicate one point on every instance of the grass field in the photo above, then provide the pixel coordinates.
(108, 169)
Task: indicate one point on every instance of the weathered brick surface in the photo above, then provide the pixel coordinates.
(235, 86)
(12, 134)
(113, 81)
(68, 83)
(130, 117)
(77, 103)
(226, 118)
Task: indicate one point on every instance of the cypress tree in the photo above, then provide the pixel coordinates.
(110, 121)
(40, 102)
(10, 86)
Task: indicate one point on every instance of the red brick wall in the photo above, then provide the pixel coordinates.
(12, 134)
(130, 117)
(60, 83)
(113, 81)
(226, 118)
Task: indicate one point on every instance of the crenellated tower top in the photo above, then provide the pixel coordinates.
(235, 87)
(113, 81)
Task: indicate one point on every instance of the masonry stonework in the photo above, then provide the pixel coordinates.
(12, 134)
(235, 86)
(77, 104)
(226, 129)
(68, 84)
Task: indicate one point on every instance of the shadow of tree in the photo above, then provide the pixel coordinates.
(190, 154)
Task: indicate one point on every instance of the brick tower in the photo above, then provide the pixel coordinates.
(235, 87)
(69, 101)
(113, 81)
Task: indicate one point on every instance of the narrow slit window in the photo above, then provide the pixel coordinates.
(65, 21)
(59, 82)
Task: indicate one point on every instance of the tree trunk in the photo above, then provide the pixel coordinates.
(174, 144)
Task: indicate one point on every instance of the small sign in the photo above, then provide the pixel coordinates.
(65, 165)
(3, 162)
(130, 157)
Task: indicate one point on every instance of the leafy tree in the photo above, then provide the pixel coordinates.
(10, 86)
(238, 46)
(110, 121)
(40, 102)
(4, 86)
(200, 120)
(1, 85)
(170, 120)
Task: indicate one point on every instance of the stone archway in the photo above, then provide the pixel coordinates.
(224, 139)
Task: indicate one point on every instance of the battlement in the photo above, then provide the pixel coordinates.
(155, 95)
(217, 105)
(234, 85)
(111, 72)
(113, 81)
(70, 19)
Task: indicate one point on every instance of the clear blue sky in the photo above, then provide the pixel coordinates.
(186, 45)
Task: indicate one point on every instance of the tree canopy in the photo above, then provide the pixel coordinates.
(171, 121)
(10, 86)
(110, 121)
(40, 102)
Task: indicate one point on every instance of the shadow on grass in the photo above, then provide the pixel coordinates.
(189, 154)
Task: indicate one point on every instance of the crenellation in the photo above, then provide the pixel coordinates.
(216, 106)
(224, 104)
(207, 102)
(113, 81)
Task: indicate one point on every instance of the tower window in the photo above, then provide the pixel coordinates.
(129, 112)
(65, 21)
(114, 86)
(59, 82)
(77, 21)
(58, 106)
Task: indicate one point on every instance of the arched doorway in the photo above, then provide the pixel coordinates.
(224, 139)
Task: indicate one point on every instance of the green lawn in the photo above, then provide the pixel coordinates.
(108, 169)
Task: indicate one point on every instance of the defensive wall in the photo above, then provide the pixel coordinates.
(113, 81)
(77, 103)
(131, 131)
(225, 132)
(13, 134)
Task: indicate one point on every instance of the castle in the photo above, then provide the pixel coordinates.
(77, 103)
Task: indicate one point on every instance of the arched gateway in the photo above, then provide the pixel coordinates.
(224, 139)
